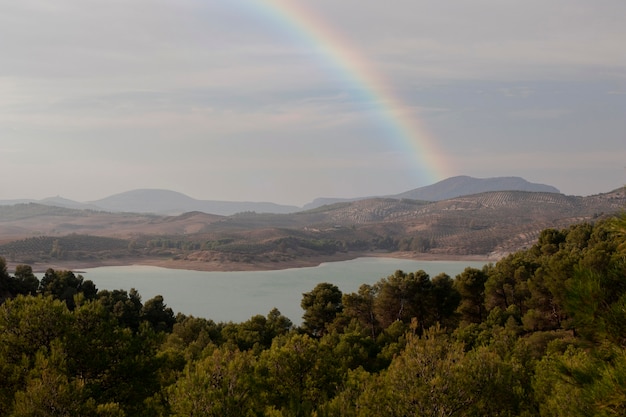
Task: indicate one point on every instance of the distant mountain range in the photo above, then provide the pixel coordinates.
(163, 202)
(451, 188)
(464, 185)
(172, 203)
(489, 225)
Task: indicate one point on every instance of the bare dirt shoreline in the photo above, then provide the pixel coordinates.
(170, 263)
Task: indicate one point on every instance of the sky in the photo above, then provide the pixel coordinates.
(289, 100)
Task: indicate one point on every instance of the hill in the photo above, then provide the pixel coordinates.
(487, 225)
(166, 202)
(464, 185)
(163, 202)
(171, 202)
(451, 188)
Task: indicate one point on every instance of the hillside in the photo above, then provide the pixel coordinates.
(171, 202)
(167, 202)
(451, 188)
(487, 225)
(464, 185)
(539, 333)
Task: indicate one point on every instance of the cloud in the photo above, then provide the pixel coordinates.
(539, 114)
(423, 42)
(174, 91)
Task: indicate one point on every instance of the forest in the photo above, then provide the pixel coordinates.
(542, 332)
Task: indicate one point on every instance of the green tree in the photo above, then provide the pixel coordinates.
(618, 227)
(158, 314)
(256, 333)
(507, 282)
(86, 351)
(26, 281)
(596, 305)
(5, 281)
(403, 296)
(471, 286)
(298, 373)
(126, 307)
(353, 396)
(353, 347)
(30, 323)
(434, 376)
(48, 390)
(360, 306)
(320, 306)
(422, 303)
(247, 335)
(562, 384)
(63, 285)
(27, 324)
(445, 301)
(191, 336)
(223, 384)
(276, 325)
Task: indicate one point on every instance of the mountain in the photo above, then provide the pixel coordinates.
(171, 202)
(16, 201)
(168, 202)
(326, 201)
(52, 201)
(64, 202)
(489, 224)
(463, 185)
(451, 188)
(147, 201)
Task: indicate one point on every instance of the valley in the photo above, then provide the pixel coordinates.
(484, 226)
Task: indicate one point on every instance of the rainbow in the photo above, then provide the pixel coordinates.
(404, 128)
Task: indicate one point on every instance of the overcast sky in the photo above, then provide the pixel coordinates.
(289, 100)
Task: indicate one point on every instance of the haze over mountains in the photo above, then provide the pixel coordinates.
(451, 188)
(127, 228)
(168, 202)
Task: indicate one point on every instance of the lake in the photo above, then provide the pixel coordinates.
(237, 296)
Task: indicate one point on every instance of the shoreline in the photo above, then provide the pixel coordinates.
(220, 266)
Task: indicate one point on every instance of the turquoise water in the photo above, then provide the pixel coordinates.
(237, 296)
